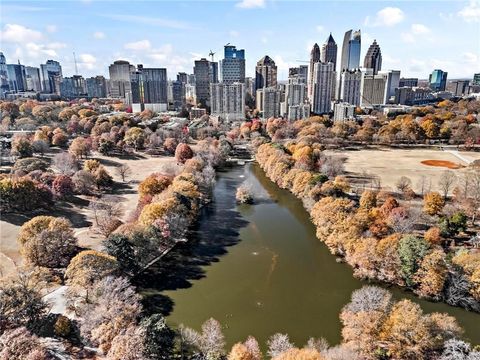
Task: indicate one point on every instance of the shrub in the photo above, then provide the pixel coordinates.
(30, 164)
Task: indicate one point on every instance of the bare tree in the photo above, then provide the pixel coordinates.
(424, 185)
(65, 163)
(123, 171)
(277, 344)
(446, 182)
(403, 184)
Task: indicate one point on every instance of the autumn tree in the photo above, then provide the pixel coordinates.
(170, 144)
(21, 146)
(183, 153)
(62, 186)
(80, 147)
(65, 163)
(154, 184)
(89, 266)
(431, 274)
(21, 344)
(135, 137)
(47, 241)
(433, 203)
(128, 345)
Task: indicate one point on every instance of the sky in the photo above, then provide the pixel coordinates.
(415, 36)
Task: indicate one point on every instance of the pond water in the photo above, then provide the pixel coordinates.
(259, 269)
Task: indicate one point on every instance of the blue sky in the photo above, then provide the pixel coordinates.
(415, 36)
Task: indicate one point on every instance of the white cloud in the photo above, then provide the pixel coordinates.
(416, 31)
(250, 4)
(51, 28)
(19, 34)
(469, 57)
(87, 61)
(154, 21)
(36, 51)
(320, 28)
(99, 35)
(419, 29)
(388, 16)
(471, 12)
(56, 45)
(138, 45)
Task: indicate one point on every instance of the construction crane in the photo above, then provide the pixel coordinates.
(75, 61)
(211, 54)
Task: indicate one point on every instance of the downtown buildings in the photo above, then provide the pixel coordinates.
(438, 80)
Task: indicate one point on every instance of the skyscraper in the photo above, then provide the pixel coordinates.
(314, 58)
(476, 79)
(73, 87)
(227, 101)
(96, 87)
(4, 87)
(438, 80)
(17, 80)
(350, 85)
(329, 52)
(373, 58)
(232, 67)
(378, 88)
(51, 77)
(323, 78)
(120, 85)
(351, 50)
(33, 78)
(149, 89)
(213, 71)
(202, 81)
(265, 73)
(299, 72)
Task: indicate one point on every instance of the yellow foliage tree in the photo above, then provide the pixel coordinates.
(433, 203)
(89, 266)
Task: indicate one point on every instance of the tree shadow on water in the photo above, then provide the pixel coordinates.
(217, 228)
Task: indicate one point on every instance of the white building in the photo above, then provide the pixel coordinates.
(227, 101)
(323, 78)
(378, 89)
(298, 112)
(343, 111)
(268, 101)
(350, 86)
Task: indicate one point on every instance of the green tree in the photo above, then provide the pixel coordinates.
(159, 338)
(121, 248)
(411, 251)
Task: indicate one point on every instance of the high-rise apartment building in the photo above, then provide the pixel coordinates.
(51, 77)
(329, 52)
(373, 58)
(314, 58)
(17, 80)
(120, 84)
(438, 80)
(227, 101)
(96, 87)
(265, 73)
(350, 86)
(268, 101)
(351, 50)
(232, 66)
(202, 82)
(300, 72)
(73, 87)
(33, 79)
(182, 77)
(343, 111)
(149, 89)
(410, 82)
(296, 98)
(323, 79)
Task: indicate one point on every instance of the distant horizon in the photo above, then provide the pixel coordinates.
(100, 32)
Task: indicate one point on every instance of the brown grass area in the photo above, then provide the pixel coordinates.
(442, 163)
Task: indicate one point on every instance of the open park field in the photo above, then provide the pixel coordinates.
(390, 164)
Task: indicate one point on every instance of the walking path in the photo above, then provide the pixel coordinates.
(455, 153)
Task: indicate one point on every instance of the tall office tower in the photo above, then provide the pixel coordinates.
(227, 101)
(191, 79)
(149, 89)
(265, 73)
(351, 50)
(438, 80)
(73, 87)
(378, 88)
(33, 79)
(213, 72)
(178, 94)
(232, 67)
(202, 82)
(96, 87)
(350, 85)
(458, 87)
(120, 85)
(373, 58)
(410, 82)
(4, 87)
(17, 80)
(51, 77)
(182, 77)
(314, 58)
(476, 79)
(323, 78)
(329, 52)
(250, 86)
(300, 72)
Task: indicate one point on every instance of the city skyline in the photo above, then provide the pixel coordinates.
(33, 32)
